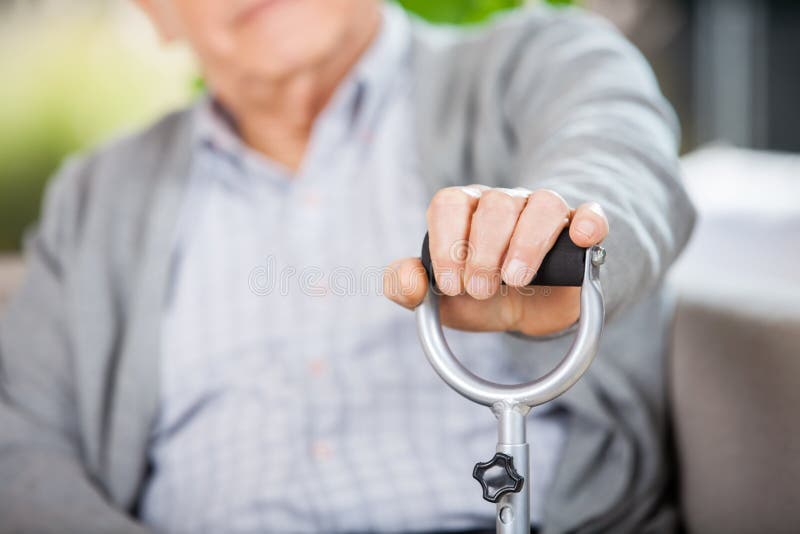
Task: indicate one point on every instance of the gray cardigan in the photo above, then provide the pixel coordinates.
(541, 99)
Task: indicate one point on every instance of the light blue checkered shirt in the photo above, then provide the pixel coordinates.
(294, 396)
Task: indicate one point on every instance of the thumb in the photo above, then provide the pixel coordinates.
(405, 282)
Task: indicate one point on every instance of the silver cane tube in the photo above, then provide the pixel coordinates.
(505, 479)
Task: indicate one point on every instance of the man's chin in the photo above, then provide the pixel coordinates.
(282, 64)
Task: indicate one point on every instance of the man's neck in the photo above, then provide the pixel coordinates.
(279, 122)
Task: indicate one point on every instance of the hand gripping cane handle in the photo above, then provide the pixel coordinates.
(566, 264)
(562, 266)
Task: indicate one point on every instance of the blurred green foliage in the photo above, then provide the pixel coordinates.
(69, 83)
(465, 11)
(458, 11)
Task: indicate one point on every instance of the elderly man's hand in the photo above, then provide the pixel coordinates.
(480, 236)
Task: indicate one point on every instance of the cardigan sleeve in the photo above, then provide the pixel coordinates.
(46, 486)
(585, 117)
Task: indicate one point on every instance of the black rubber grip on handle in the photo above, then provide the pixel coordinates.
(564, 265)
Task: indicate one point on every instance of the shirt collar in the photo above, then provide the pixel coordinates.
(354, 102)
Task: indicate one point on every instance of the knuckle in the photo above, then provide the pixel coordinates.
(441, 257)
(445, 205)
(496, 205)
(485, 259)
(551, 201)
(499, 199)
(528, 245)
(449, 198)
(449, 254)
(526, 248)
(483, 267)
(489, 251)
(460, 251)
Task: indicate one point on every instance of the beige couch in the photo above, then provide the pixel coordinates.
(736, 411)
(735, 377)
(736, 360)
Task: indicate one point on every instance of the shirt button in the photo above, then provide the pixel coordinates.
(322, 451)
(311, 199)
(317, 367)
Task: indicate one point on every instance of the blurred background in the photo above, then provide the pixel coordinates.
(76, 73)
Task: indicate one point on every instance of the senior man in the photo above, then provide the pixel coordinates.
(184, 356)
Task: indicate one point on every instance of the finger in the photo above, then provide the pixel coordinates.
(548, 310)
(545, 311)
(448, 217)
(539, 225)
(589, 225)
(495, 314)
(405, 282)
(490, 232)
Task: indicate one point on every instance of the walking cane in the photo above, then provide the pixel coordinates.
(505, 479)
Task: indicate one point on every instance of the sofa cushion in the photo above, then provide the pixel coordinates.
(735, 369)
(736, 407)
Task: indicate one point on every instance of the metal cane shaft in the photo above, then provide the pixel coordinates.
(513, 510)
(505, 479)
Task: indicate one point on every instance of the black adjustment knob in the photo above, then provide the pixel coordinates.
(498, 477)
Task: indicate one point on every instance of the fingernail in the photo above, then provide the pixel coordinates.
(586, 228)
(479, 286)
(395, 265)
(447, 281)
(518, 273)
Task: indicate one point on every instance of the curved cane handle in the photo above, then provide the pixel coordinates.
(556, 382)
